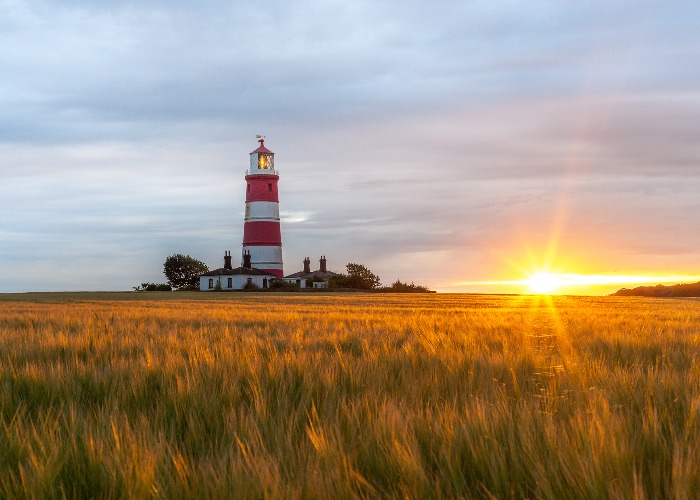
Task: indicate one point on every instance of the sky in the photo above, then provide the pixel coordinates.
(462, 145)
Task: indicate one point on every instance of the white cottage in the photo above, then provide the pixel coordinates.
(309, 278)
(228, 279)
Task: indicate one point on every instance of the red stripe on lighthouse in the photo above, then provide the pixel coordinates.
(276, 272)
(261, 188)
(262, 233)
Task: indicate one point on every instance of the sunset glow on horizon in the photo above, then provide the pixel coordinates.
(549, 283)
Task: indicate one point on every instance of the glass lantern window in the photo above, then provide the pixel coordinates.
(266, 161)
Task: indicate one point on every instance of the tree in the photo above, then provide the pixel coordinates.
(361, 277)
(183, 271)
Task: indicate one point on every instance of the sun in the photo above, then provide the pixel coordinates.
(544, 283)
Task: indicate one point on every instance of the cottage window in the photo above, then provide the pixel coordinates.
(250, 280)
(230, 282)
(264, 282)
(211, 282)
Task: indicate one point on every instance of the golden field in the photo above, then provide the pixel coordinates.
(197, 395)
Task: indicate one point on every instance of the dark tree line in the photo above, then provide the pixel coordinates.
(681, 290)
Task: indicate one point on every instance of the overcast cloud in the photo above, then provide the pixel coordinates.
(436, 142)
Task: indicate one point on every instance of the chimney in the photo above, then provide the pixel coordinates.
(246, 259)
(307, 265)
(227, 260)
(323, 264)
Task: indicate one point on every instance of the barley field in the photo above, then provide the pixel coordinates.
(191, 395)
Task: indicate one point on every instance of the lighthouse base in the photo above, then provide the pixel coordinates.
(265, 258)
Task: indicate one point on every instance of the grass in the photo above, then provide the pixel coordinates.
(420, 396)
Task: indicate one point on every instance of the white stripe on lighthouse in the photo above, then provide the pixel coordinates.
(271, 254)
(262, 211)
(265, 257)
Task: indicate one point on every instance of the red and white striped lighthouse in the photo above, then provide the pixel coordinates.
(262, 238)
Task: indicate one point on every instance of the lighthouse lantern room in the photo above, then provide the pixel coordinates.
(262, 238)
(262, 160)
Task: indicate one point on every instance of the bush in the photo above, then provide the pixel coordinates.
(400, 287)
(251, 286)
(282, 285)
(153, 287)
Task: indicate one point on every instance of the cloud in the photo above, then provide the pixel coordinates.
(445, 136)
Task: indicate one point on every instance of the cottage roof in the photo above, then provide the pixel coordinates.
(320, 274)
(250, 271)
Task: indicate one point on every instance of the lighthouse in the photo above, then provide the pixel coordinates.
(262, 238)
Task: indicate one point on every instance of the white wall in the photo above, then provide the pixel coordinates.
(238, 281)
